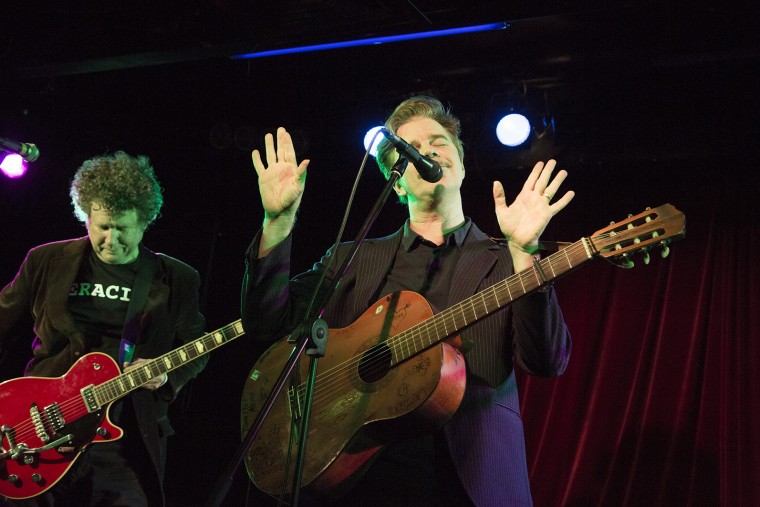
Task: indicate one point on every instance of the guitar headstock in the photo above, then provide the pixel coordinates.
(654, 228)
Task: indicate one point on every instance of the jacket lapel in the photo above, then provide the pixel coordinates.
(65, 267)
(475, 262)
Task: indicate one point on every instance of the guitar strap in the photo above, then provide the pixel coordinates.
(137, 302)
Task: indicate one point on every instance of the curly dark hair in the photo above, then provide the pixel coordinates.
(119, 183)
(419, 106)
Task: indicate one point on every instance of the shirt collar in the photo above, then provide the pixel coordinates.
(454, 238)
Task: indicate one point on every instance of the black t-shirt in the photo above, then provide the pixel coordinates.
(98, 301)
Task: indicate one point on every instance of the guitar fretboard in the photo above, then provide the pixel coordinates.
(127, 382)
(457, 317)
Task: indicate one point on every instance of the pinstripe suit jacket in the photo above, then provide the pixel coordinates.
(485, 436)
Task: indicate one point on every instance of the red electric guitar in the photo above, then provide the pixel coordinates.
(45, 423)
(393, 372)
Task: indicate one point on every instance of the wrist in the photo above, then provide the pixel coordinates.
(522, 256)
(279, 221)
(273, 232)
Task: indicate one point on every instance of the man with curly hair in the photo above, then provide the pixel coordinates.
(80, 293)
(478, 456)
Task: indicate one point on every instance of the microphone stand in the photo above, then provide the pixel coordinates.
(316, 340)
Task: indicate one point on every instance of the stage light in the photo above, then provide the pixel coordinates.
(372, 134)
(513, 130)
(373, 41)
(13, 165)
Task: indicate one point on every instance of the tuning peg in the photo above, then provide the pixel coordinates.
(626, 263)
(646, 258)
(665, 249)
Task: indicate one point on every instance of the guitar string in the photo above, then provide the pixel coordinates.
(411, 335)
(438, 324)
(375, 362)
(75, 407)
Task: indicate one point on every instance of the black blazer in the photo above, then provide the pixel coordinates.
(171, 317)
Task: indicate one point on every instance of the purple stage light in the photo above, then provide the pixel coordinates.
(13, 166)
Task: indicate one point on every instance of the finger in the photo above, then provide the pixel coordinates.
(530, 183)
(558, 205)
(271, 153)
(257, 163)
(553, 187)
(285, 150)
(546, 174)
(302, 168)
(499, 199)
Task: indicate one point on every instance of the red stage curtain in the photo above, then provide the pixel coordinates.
(661, 402)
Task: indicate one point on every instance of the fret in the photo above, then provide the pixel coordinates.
(401, 344)
(569, 262)
(496, 296)
(412, 337)
(426, 330)
(551, 266)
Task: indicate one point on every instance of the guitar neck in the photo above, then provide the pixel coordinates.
(127, 382)
(457, 317)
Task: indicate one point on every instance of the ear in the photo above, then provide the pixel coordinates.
(400, 190)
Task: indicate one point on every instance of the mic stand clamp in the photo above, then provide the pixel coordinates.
(317, 339)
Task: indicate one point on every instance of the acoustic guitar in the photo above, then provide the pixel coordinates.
(396, 371)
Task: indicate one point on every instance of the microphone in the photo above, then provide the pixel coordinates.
(28, 151)
(429, 169)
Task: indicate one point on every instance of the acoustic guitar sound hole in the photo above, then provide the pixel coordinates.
(374, 363)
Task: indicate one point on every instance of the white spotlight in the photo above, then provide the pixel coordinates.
(369, 137)
(513, 130)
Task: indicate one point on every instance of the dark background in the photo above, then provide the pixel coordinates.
(652, 103)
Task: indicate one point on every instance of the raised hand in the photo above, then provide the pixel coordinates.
(282, 181)
(281, 185)
(525, 219)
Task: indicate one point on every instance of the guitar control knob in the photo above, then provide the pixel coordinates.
(13, 478)
(37, 478)
(102, 431)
